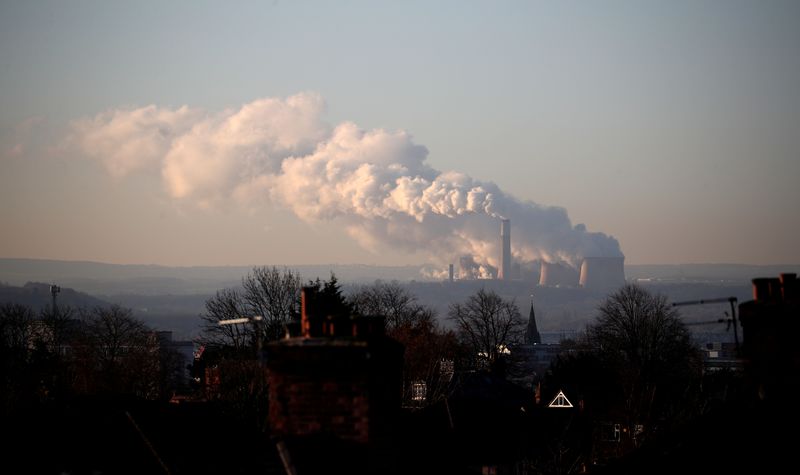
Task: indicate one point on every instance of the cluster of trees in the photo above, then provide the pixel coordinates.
(431, 351)
(490, 326)
(60, 352)
(648, 348)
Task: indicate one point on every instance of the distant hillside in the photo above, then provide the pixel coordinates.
(107, 279)
(114, 279)
(729, 273)
(177, 313)
(37, 296)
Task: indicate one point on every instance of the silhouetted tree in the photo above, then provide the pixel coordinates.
(267, 292)
(488, 325)
(61, 325)
(53, 333)
(431, 352)
(121, 353)
(393, 302)
(226, 304)
(643, 341)
(328, 295)
(15, 337)
(15, 327)
(273, 294)
(431, 357)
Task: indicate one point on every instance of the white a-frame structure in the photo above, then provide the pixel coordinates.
(560, 401)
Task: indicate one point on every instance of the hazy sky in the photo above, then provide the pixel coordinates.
(672, 127)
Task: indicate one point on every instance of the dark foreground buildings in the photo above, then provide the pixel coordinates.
(335, 407)
(752, 427)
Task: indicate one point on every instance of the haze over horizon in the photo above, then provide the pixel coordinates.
(396, 134)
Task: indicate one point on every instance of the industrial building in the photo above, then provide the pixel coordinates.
(595, 272)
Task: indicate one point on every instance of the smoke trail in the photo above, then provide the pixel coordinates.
(375, 182)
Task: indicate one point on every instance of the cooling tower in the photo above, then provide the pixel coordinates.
(505, 257)
(602, 272)
(555, 274)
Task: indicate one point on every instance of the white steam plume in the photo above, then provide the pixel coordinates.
(374, 181)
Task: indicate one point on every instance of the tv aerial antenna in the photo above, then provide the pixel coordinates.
(731, 320)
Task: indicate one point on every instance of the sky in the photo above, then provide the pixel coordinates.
(393, 133)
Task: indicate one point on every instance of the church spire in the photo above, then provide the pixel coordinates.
(532, 336)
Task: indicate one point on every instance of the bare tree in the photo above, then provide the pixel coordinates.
(488, 324)
(121, 351)
(270, 293)
(15, 327)
(430, 358)
(392, 301)
(642, 339)
(60, 324)
(267, 292)
(15, 374)
(273, 294)
(227, 304)
(430, 351)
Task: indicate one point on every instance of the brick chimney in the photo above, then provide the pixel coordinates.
(789, 287)
(341, 378)
(770, 328)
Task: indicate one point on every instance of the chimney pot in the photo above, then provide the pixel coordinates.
(311, 323)
(760, 289)
(775, 290)
(789, 285)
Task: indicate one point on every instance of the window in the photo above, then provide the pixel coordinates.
(446, 369)
(609, 432)
(418, 391)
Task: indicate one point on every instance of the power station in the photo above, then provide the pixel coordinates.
(595, 272)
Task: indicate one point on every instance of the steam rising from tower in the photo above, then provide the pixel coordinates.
(375, 183)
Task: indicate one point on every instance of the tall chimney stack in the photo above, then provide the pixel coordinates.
(451, 272)
(505, 258)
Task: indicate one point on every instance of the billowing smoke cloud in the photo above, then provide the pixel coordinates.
(376, 182)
